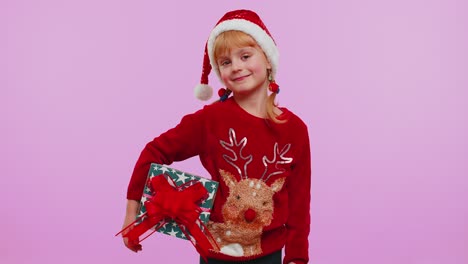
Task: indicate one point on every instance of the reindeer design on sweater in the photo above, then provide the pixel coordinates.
(249, 205)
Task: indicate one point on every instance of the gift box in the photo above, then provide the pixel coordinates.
(180, 181)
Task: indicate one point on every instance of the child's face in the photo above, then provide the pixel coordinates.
(244, 70)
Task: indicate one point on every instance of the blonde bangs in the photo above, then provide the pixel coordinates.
(228, 40)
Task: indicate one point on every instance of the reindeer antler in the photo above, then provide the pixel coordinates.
(236, 149)
(281, 159)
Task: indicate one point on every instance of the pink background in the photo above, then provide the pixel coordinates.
(382, 86)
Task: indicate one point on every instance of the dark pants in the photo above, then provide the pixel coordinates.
(273, 258)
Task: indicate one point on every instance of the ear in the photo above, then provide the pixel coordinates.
(277, 184)
(228, 178)
(269, 73)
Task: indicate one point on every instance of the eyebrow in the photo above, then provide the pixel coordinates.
(240, 51)
(245, 49)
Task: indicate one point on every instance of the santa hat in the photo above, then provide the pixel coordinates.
(240, 20)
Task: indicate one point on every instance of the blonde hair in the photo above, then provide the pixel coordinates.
(228, 40)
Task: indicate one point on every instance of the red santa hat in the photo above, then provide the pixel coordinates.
(240, 20)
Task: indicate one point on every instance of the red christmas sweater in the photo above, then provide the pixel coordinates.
(264, 171)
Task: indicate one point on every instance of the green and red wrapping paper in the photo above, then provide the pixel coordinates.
(175, 203)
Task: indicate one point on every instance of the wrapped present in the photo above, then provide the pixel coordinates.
(174, 203)
(182, 180)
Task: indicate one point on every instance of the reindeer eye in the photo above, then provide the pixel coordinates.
(265, 203)
(238, 197)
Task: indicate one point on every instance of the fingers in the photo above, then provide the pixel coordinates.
(135, 247)
(131, 245)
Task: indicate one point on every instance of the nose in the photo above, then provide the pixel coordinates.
(236, 65)
(249, 215)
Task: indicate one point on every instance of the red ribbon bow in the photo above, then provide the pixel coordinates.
(179, 205)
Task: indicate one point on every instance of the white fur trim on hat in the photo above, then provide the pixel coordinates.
(261, 37)
(203, 92)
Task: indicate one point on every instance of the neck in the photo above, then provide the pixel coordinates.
(254, 103)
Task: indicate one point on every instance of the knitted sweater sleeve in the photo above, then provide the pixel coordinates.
(178, 143)
(298, 224)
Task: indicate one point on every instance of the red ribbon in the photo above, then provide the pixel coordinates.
(179, 205)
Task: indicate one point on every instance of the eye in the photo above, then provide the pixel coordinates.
(224, 62)
(265, 203)
(238, 197)
(245, 56)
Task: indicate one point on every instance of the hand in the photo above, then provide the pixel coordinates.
(132, 246)
(130, 216)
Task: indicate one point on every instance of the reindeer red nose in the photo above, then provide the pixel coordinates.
(249, 215)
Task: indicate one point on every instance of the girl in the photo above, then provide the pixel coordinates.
(257, 151)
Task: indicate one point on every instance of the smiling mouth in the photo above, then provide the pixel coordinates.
(240, 78)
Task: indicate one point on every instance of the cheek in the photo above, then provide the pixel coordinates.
(266, 216)
(259, 69)
(224, 75)
(230, 211)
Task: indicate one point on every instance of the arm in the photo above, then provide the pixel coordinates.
(298, 224)
(178, 143)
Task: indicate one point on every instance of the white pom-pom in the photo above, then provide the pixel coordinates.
(203, 92)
